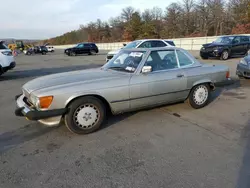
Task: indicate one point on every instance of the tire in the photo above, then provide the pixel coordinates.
(224, 55)
(92, 52)
(248, 52)
(199, 96)
(72, 53)
(85, 115)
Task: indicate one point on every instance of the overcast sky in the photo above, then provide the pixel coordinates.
(41, 19)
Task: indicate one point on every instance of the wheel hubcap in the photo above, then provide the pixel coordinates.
(86, 116)
(225, 55)
(200, 95)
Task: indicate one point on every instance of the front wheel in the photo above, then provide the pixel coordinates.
(72, 53)
(224, 55)
(199, 96)
(85, 115)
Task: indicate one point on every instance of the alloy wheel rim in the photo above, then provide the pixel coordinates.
(225, 55)
(86, 116)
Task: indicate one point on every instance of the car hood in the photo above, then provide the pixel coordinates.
(213, 44)
(73, 77)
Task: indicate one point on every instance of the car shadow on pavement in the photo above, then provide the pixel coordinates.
(43, 71)
(243, 180)
(12, 139)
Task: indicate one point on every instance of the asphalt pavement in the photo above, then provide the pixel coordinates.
(171, 146)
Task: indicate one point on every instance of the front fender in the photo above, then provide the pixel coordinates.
(71, 98)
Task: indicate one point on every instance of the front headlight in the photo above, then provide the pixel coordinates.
(243, 61)
(41, 102)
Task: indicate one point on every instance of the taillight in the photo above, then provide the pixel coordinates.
(228, 74)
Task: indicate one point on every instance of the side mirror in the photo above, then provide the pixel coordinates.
(146, 69)
(124, 44)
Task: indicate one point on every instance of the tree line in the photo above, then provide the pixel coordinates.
(188, 18)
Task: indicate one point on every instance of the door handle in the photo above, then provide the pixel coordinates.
(179, 75)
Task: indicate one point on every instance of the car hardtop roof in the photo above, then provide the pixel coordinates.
(235, 35)
(153, 49)
(86, 43)
(152, 39)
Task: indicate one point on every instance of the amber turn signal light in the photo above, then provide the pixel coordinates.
(227, 74)
(45, 102)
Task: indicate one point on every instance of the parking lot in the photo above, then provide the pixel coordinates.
(170, 146)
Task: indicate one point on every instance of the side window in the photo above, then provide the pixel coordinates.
(81, 46)
(87, 45)
(184, 60)
(236, 40)
(146, 44)
(244, 39)
(162, 60)
(158, 44)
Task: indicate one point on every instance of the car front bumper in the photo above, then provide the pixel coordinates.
(46, 117)
(212, 53)
(11, 66)
(243, 70)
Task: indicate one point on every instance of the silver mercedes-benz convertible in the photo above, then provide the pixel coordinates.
(134, 79)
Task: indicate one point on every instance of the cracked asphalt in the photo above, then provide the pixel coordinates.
(171, 146)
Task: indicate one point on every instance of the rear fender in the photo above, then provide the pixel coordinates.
(208, 81)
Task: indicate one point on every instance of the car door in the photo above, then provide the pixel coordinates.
(244, 42)
(164, 84)
(87, 48)
(237, 46)
(79, 49)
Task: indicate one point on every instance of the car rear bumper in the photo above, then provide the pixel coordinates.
(46, 117)
(243, 70)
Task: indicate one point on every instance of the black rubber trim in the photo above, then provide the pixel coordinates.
(18, 112)
(17, 96)
(124, 100)
(37, 115)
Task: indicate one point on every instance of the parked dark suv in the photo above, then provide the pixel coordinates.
(226, 46)
(82, 48)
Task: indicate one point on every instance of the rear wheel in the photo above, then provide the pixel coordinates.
(199, 96)
(86, 115)
(224, 55)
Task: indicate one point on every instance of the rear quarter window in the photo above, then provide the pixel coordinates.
(170, 42)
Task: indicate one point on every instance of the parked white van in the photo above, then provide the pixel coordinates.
(7, 60)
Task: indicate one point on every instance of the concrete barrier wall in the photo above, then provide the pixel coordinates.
(185, 43)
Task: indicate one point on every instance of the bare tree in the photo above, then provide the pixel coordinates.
(127, 13)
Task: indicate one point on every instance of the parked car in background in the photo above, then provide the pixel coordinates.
(134, 79)
(243, 67)
(7, 61)
(226, 46)
(50, 48)
(82, 48)
(36, 50)
(145, 43)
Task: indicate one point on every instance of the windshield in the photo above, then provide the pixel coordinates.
(132, 44)
(126, 61)
(224, 40)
